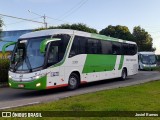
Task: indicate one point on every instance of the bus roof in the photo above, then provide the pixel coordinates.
(146, 53)
(51, 32)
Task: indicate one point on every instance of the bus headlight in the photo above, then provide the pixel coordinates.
(10, 77)
(37, 77)
(38, 84)
(9, 84)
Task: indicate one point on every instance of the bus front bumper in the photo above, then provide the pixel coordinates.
(38, 84)
(151, 67)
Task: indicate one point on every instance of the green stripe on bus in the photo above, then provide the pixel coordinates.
(103, 37)
(121, 62)
(99, 63)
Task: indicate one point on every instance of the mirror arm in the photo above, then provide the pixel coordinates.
(7, 45)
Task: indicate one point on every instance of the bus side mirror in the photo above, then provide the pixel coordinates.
(7, 45)
(45, 42)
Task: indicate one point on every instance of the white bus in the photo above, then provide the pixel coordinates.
(59, 57)
(147, 60)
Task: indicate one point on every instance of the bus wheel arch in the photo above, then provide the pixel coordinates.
(74, 80)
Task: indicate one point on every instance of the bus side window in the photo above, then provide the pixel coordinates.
(79, 46)
(116, 48)
(75, 47)
(106, 47)
(125, 49)
(132, 49)
(82, 45)
(53, 56)
(94, 46)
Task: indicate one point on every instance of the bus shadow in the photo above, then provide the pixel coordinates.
(103, 82)
(32, 94)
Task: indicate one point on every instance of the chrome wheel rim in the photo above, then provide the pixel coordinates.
(124, 75)
(73, 81)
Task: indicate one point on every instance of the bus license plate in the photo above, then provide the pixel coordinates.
(21, 86)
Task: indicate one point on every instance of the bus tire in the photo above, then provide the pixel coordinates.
(73, 81)
(124, 74)
(139, 67)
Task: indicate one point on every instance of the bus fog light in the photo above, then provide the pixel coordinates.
(38, 84)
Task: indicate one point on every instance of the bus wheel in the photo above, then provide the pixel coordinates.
(139, 67)
(73, 81)
(124, 74)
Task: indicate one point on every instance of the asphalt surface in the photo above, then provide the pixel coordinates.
(10, 98)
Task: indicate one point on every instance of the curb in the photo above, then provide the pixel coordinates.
(2, 85)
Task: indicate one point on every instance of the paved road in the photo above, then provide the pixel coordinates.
(17, 97)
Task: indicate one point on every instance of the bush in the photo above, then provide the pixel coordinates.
(78, 26)
(4, 66)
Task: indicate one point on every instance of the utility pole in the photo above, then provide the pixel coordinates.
(44, 18)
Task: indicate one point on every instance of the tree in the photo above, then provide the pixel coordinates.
(143, 39)
(79, 26)
(121, 32)
(1, 24)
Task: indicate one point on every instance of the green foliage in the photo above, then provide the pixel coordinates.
(139, 35)
(79, 26)
(4, 65)
(121, 32)
(143, 39)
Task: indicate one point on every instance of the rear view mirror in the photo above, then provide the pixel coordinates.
(45, 42)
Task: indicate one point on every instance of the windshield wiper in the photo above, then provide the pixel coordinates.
(28, 63)
(16, 64)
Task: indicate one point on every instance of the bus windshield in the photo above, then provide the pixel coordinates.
(27, 56)
(148, 59)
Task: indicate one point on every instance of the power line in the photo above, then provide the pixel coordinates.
(74, 9)
(44, 17)
(56, 19)
(70, 10)
(19, 21)
(80, 4)
(21, 18)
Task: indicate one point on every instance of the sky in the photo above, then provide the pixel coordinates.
(97, 14)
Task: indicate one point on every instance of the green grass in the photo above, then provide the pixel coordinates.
(157, 68)
(144, 97)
